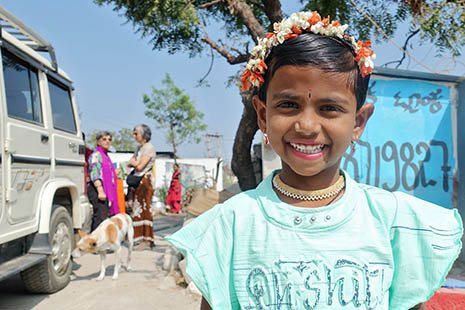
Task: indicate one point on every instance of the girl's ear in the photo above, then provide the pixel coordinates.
(361, 118)
(260, 108)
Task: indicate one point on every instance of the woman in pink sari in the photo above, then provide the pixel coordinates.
(101, 187)
(174, 193)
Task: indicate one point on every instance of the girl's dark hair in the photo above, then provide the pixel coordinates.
(329, 54)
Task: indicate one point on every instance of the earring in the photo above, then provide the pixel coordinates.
(266, 138)
(352, 148)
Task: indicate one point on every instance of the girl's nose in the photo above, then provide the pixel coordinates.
(307, 123)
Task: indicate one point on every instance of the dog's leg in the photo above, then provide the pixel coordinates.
(117, 262)
(102, 266)
(130, 245)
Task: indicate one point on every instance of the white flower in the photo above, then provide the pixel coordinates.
(293, 19)
(317, 28)
(286, 24)
(369, 63)
(302, 22)
(354, 43)
(299, 20)
(307, 15)
(280, 36)
(255, 50)
(276, 26)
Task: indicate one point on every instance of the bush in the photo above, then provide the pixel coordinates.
(162, 192)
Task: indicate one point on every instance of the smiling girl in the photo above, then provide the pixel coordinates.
(310, 237)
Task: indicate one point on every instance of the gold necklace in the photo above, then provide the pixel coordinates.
(320, 194)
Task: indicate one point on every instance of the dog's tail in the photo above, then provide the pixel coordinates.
(130, 234)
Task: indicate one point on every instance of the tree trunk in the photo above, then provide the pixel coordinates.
(245, 12)
(241, 163)
(175, 153)
(273, 10)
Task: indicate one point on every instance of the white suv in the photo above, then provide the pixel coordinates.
(42, 197)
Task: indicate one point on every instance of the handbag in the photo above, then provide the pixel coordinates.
(133, 180)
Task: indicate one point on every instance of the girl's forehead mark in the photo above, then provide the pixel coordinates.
(309, 93)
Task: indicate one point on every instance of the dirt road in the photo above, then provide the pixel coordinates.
(147, 286)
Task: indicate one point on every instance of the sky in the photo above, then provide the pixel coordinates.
(112, 67)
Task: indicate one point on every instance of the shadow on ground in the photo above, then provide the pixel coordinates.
(13, 288)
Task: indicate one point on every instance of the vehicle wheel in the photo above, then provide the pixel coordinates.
(53, 274)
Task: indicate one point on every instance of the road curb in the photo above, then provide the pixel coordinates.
(167, 223)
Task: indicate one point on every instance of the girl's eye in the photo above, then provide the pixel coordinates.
(330, 108)
(287, 105)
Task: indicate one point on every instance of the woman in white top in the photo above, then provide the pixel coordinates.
(142, 162)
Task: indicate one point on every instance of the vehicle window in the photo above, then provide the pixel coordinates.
(22, 89)
(63, 116)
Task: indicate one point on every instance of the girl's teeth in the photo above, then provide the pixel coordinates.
(308, 149)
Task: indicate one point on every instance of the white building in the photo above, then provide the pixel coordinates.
(195, 172)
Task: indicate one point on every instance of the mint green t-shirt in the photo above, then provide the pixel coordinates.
(371, 249)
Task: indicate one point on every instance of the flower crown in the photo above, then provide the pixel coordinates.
(291, 27)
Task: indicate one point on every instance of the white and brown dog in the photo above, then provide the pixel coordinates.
(108, 236)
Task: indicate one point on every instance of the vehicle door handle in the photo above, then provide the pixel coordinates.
(73, 146)
(44, 138)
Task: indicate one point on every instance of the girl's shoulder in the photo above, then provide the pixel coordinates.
(219, 218)
(238, 206)
(240, 202)
(389, 199)
(401, 208)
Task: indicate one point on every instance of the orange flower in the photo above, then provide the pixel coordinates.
(363, 53)
(315, 19)
(296, 29)
(290, 35)
(257, 76)
(364, 71)
(245, 82)
(326, 22)
(262, 66)
(253, 77)
(364, 44)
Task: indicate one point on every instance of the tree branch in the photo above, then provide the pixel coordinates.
(404, 48)
(222, 51)
(205, 6)
(243, 10)
(225, 53)
(236, 50)
(209, 69)
(272, 9)
(257, 4)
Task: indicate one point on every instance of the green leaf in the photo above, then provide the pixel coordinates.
(174, 112)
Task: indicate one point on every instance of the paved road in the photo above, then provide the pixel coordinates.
(146, 287)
